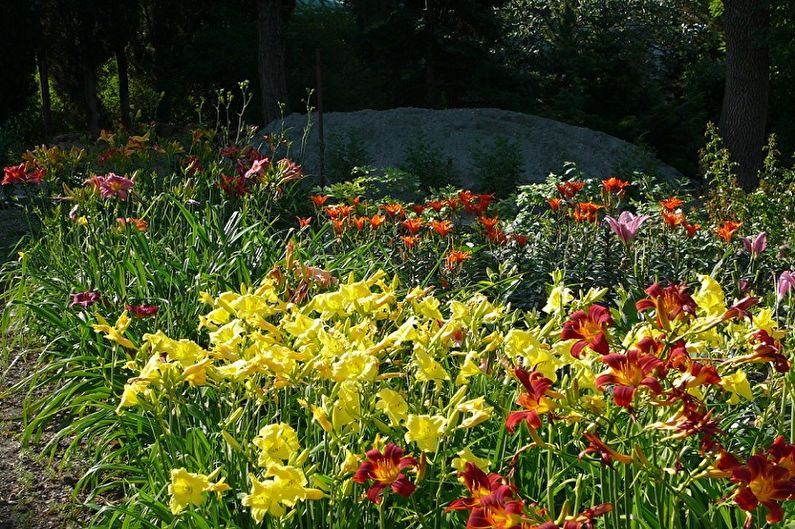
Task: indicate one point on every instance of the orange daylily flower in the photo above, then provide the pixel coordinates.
(442, 227)
(726, 230)
(671, 203)
(412, 225)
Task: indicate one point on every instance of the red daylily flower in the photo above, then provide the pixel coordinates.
(588, 329)
(628, 372)
(496, 235)
(671, 303)
(142, 311)
(568, 189)
(361, 222)
(499, 510)
(489, 222)
(386, 470)
(409, 240)
(139, 224)
(479, 484)
(763, 482)
(338, 211)
(691, 419)
(435, 205)
(521, 240)
(536, 401)
(417, 208)
(691, 229)
(586, 212)
(585, 519)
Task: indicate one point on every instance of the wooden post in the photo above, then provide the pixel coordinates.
(44, 86)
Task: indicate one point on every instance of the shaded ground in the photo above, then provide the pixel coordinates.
(33, 493)
(12, 227)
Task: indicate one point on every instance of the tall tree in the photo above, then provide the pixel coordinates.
(743, 117)
(271, 24)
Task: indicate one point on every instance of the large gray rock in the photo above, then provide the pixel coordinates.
(544, 144)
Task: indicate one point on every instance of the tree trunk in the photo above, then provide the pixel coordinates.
(90, 94)
(124, 86)
(272, 69)
(745, 100)
(46, 102)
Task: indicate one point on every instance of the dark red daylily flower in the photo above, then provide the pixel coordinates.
(763, 482)
(739, 310)
(767, 349)
(479, 484)
(783, 453)
(671, 303)
(588, 329)
(85, 299)
(142, 311)
(18, 174)
(417, 208)
(386, 470)
(520, 239)
(692, 419)
(499, 510)
(606, 454)
(628, 372)
(536, 401)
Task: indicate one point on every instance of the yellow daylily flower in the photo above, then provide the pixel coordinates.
(737, 384)
(466, 456)
(393, 404)
(425, 430)
(187, 488)
(478, 409)
(277, 442)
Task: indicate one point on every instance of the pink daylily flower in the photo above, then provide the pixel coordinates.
(111, 185)
(756, 245)
(626, 226)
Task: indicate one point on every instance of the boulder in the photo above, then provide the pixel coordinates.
(544, 144)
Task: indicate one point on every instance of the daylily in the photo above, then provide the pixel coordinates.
(726, 230)
(479, 484)
(672, 303)
(535, 401)
(606, 454)
(442, 227)
(628, 372)
(588, 329)
(763, 481)
(671, 203)
(142, 311)
(615, 185)
(756, 245)
(386, 470)
(84, 299)
(569, 189)
(626, 226)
